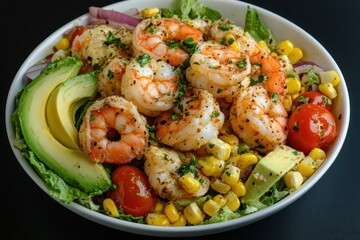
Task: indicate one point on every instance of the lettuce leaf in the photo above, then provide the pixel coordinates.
(191, 9)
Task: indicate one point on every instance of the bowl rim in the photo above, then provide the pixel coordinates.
(197, 230)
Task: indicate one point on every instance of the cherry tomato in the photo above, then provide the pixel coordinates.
(78, 30)
(133, 193)
(314, 97)
(310, 126)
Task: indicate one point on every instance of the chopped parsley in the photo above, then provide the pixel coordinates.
(110, 74)
(114, 40)
(143, 59)
(189, 167)
(241, 64)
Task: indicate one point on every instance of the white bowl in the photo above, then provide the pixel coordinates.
(234, 10)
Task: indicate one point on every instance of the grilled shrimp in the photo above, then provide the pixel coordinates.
(110, 77)
(222, 28)
(150, 84)
(162, 165)
(258, 120)
(113, 131)
(218, 69)
(99, 43)
(191, 123)
(161, 38)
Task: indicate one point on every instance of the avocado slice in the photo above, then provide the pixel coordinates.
(269, 170)
(72, 165)
(63, 103)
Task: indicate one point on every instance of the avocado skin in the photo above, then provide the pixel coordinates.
(72, 165)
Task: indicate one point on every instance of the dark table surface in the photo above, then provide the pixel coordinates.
(330, 210)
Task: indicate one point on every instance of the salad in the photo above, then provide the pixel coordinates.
(175, 117)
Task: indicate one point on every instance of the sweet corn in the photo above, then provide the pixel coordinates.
(219, 199)
(232, 201)
(180, 222)
(328, 90)
(159, 207)
(230, 41)
(149, 12)
(295, 55)
(317, 154)
(193, 213)
(219, 149)
(293, 179)
(189, 183)
(211, 207)
(110, 207)
(230, 139)
(230, 175)
(157, 219)
(330, 77)
(234, 159)
(219, 186)
(245, 160)
(293, 85)
(306, 167)
(287, 102)
(239, 189)
(207, 167)
(62, 44)
(262, 44)
(171, 212)
(243, 147)
(285, 47)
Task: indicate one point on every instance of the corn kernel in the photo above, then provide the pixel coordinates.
(219, 199)
(274, 54)
(159, 207)
(63, 44)
(246, 159)
(171, 212)
(219, 166)
(317, 154)
(211, 207)
(207, 167)
(328, 90)
(330, 77)
(189, 183)
(230, 41)
(285, 47)
(219, 186)
(234, 159)
(262, 44)
(149, 12)
(157, 219)
(306, 167)
(293, 179)
(293, 85)
(180, 222)
(295, 55)
(193, 213)
(110, 207)
(287, 102)
(219, 149)
(232, 201)
(239, 189)
(230, 139)
(230, 175)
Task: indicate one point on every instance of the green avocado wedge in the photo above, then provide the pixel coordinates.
(63, 103)
(72, 165)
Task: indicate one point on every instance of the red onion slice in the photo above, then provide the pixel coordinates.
(114, 17)
(35, 70)
(305, 66)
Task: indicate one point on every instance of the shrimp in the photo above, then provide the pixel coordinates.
(222, 28)
(110, 77)
(218, 69)
(162, 165)
(275, 75)
(99, 43)
(191, 123)
(113, 131)
(167, 39)
(258, 120)
(152, 85)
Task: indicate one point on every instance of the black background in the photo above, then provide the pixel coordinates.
(330, 210)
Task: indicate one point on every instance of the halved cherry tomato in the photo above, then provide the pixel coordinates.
(133, 193)
(78, 30)
(314, 97)
(311, 126)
